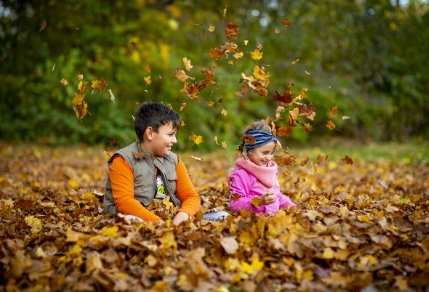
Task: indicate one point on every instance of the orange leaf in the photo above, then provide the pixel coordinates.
(286, 22)
(256, 201)
(284, 131)
(330, 125)
(334, 110)
(43, 25)
(231, 31)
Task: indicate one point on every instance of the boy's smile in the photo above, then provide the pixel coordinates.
(159, 144)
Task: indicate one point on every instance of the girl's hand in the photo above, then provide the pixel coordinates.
(180, 217)
(268, 198)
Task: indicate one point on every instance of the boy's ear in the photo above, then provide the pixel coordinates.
(148, 133)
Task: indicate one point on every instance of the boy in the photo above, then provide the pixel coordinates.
(147, 169)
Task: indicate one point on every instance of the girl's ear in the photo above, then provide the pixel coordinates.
(148, 133)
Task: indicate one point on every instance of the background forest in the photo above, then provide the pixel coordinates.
(368, 58)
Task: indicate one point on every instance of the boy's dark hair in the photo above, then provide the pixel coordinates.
(155, 115)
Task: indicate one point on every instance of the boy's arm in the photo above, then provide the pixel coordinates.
(122, 181)
(191, 201)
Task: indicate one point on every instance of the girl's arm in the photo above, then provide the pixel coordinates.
(239, 186)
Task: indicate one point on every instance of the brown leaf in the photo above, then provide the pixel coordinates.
(286, 22)
(330, 125)
(231, 31)
(43, 25)
(347, 160)
(139, 155)
(287, 97)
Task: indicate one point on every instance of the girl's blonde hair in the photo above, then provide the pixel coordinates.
(257, 126)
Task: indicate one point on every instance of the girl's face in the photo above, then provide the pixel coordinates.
(262, 155)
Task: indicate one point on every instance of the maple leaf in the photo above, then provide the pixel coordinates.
(259, 73)
(147, 68)
(35, 223)
(286, 22)
(235, 197)
(139, 155)
(260, 88)
(231, 31)
(286, 98)
(64, 82)
(80, 77)
(224, 112)
(224, 145)
(99, 85)
(197, 139)
(330, 125)
(79, 106)
(334, 110)
(307, 128)
(220, 100)
(215, 53)
(242, 91)
(347, 160)
(304, 161)
(43, 25)
(181, 75)
(284, 131)
(285, 159)
(187, 64)
(82, 87)
(147, 80)
(108, 153)
(256, 54)
(211, 28)
(210, 103)
(256, 201)
(191, 89)
(113, 141)
(322, 158)
(307, 110)
(238, 55)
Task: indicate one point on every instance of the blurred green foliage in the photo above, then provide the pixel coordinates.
(369, 58)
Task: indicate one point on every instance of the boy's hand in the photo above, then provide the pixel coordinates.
(268, 198)
(180, 217)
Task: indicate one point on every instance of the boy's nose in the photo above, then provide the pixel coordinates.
(174, 139)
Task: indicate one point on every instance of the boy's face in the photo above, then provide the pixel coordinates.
(262, 155)
(163, 140)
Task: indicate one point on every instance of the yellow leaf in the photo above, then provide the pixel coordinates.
(147, 80)
(94, 84)
(64, 82)
(296, 61)
(224, 144)
(210, 103)
(147, 68)
(246, 42)
(328, 253)
(187, 63)
(198, 140)
(35, 223)
(110, 231)
(79, 86)
(256, 54)
(74, 183)
(224, 112)
(211, 28)
(308, 275)
(238, 55)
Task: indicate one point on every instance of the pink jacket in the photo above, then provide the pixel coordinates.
(249, 180)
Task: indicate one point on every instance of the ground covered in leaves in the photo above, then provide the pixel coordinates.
(357, 226)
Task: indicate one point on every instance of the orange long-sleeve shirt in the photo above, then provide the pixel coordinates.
(122, 181)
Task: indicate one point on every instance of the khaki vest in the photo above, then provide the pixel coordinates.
(145, 177)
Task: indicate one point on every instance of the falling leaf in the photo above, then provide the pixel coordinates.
(307, 73)
(210, 103)
(79, 106)
(181, 75)
(242, 91)
(80, 77)
(256, 54)
(334, 110)
(113, 141)
(64, 82)
(224, 11)
(215, 53)
(43, 25)
(182, 106)
(224, 112)
(284, 131)
(286, 22)
(296, 61)
(53, 68)
(76, 28)
(330, 125)
(134, 44)
(238, 55)
(347, 160)
(246, 42)
(187, 63)
(231, 31)
(220, 100)
(99, 85)
(307, 111)
(224, 145)
(196, 158)
(231, 62)
(215, 140)
(287, 97)
(147, 68)
(147, 80)
(277, 30)
(112, 97)
(322, 158)
(304, 161)
(211, 28)
(345, 117)
(197, 139)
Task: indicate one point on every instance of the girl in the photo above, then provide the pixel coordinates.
(256, 174)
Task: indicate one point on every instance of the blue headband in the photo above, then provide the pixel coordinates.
(261, 137)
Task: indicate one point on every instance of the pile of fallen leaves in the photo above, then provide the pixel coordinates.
(356, 226)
